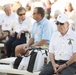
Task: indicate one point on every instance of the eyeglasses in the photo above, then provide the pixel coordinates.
(34, 13)
(21, 14)
(59, 23)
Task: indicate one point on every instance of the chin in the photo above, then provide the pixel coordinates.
(23, 19)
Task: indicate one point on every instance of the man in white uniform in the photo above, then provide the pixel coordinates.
(6, 21)
(62, 50)
(20, 29)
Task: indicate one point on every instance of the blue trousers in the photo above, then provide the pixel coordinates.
(13, 42)
(48, 69)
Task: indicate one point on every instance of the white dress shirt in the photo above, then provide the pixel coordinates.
(63, 47)
(7, 21)
(22, 26)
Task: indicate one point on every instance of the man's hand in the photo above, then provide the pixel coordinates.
(55, 67)
(26, 49)
(19, 35)
(60, 68)
(3, 35)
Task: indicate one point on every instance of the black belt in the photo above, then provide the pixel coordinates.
(61, 61)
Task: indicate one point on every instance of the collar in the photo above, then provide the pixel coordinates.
(41, 22)
(68, 33)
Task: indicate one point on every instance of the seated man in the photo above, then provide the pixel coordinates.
(62, 50)
(41, 32)
(7, 19)
(18, 35)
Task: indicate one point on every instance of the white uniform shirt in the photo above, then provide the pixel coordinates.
(23, 26)
(63, 47)
(7, 21)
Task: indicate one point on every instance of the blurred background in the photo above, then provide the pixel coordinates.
(53, 4)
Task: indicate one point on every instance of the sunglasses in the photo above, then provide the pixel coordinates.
(59, 23)
(34, 13)
(21, 14)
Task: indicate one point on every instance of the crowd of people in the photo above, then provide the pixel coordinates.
(56, 31)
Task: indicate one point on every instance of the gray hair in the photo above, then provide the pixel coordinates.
(6, 6)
